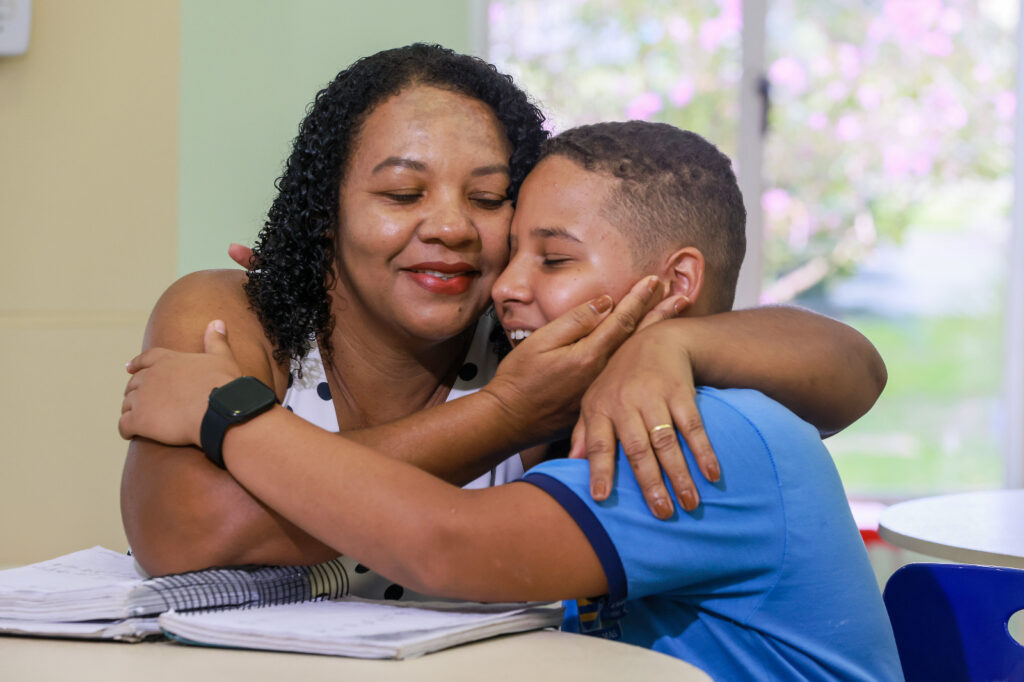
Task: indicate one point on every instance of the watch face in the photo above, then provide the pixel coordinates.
(242, 397)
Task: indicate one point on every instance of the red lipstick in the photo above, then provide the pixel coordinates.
(449, 279)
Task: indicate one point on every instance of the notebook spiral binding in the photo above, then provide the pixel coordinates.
(241, 587)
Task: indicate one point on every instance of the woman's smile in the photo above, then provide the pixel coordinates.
(449, 279)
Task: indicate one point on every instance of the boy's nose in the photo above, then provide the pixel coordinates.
(511, 285)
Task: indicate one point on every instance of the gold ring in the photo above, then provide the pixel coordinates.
(659, 427)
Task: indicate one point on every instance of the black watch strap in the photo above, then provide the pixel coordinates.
(233, 403)
(211, 435)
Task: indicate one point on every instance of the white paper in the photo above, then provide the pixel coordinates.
(127, 630)
(356, 628)
(92, 583)
(84, 570)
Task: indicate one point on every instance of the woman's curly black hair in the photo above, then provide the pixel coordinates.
(294, 253)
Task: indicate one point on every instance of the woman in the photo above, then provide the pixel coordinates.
(389, 229)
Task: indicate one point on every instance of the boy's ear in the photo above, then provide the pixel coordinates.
(684, 273)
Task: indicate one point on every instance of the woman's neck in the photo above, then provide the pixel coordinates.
(375, 378)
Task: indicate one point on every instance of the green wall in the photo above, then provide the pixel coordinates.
(249, 68)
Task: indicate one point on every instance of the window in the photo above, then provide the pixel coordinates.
(886, 176)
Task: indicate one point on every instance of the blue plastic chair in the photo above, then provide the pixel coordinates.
(950, 621)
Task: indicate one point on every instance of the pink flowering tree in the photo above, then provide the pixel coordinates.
(877, 116)
(877, 110)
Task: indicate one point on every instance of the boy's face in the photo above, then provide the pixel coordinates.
(564, 250)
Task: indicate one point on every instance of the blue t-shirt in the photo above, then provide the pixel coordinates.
(767, 579)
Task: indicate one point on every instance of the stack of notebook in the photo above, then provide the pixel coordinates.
(99, 594)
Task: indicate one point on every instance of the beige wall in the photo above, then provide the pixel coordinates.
(114, 163)
(88, 222)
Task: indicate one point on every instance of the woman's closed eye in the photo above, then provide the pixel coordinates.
(402, 197)
(488, 202)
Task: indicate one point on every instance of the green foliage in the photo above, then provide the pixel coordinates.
(933, 428)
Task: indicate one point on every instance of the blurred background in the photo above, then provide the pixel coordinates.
(874, 142)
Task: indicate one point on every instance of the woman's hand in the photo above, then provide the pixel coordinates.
(644, 394)
(167, 396)
(540, 383)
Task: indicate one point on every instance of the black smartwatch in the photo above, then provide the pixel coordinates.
(233, 403)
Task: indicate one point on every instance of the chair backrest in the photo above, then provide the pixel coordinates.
(950, 621)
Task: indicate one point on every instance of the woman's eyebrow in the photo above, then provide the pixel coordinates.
(490, 170)
(400, 162)
(555, 233)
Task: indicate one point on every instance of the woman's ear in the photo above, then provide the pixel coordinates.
(684, 273)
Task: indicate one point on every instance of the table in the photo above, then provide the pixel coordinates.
(968, 528)
(527, 657)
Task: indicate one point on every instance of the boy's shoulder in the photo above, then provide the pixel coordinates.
(737, 410)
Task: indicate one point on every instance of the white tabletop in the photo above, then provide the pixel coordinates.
(970, 528)
(528, 657)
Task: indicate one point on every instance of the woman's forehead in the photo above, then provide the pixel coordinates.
(429, 123)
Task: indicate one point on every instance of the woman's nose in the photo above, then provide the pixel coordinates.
(450, 224)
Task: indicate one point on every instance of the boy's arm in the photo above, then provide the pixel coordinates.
(824, 371)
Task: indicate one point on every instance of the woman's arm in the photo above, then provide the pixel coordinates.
(182, 513)
(179, 511)
(508, 543)
(826, 372)
(512, 542)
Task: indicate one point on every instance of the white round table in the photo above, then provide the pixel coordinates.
(969, 528)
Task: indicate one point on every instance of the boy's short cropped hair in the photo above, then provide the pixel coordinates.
(677, 189)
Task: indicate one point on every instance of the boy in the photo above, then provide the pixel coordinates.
(766, 579)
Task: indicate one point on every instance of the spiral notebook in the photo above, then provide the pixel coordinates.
(99, 594)
(103, 588)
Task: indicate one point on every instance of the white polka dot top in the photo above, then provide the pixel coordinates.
(310, 396)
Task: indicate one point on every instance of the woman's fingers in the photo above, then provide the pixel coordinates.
(624, 320)
(636, 443)
(670, 459)
(687, 419)
(578, 441)
(599, 449)
(665, 310)
(653, 453)
(590, 323)
(571, 326)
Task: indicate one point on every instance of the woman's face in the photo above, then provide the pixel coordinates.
(564, 250)
(423, 215)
